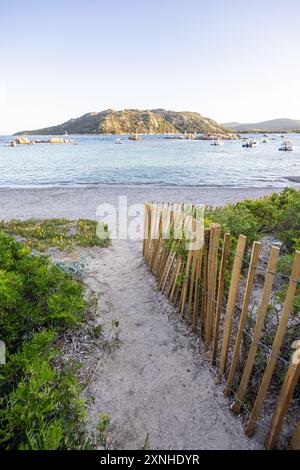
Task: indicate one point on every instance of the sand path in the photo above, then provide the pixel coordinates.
(154, 383)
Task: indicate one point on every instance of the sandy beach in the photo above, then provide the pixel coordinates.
(82, 202)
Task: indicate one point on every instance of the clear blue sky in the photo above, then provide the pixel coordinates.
(227, 59)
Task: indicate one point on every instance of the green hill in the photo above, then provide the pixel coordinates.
(129, 121)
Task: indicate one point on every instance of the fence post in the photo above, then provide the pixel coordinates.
(145, 232)
(166, 274)
(232, 296)
(153, 212)
(165, 270)
(204, 290)
(247, 295)
(192, 284)
(147, 208)
(173, 275)
(269, 279)
(212, 271)
(287, 307)
(286, 395)
(223, 264)
(164, 251)
(186, 282)
(197, 282)
(157, 237)
(295, 442)
(177, 271)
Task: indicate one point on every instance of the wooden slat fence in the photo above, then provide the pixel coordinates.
(213, 286)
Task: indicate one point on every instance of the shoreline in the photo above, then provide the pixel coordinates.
(82, 202)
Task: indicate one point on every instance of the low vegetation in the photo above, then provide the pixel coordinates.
(61, 233)
(277, 215)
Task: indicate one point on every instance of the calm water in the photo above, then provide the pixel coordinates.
(153, 161)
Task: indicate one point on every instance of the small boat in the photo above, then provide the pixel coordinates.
(217, 142)
(135, 137)
(286, 146)
(250, 143)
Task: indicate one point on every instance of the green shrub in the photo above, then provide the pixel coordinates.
(40, 406)
(34, 294)
(278, 215)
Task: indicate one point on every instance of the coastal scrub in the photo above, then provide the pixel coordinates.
(61, 233)
(41, 406)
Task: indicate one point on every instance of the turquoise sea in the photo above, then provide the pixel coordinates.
(98, 160)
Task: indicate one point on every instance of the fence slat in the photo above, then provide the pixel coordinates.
(167, 267)
(192, 284)
(243, 318)
(168, 270)
(178, 287)
(186, 282)
(287, 308)
(169, 285)
(295, 442)
(147, 231)
(153, 229)
(215, 231)
(162, 264)
(269, 279)
(286, 395)
(157, 236)
(174, 285)
(223, 264)
(197, 285)
(204, 290)
(153, 210)
(232, 296)
(163, 253)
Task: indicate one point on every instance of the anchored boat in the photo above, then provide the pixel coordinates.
(135, 137)
(287, 146)
(250, 143)
(217, 142)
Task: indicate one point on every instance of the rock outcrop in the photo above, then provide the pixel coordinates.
(219, 136)
(26, 141)
(22, 141)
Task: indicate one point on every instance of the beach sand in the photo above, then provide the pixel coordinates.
(82, 202)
